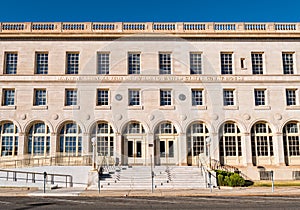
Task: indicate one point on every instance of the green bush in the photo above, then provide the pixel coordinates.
(226, 178)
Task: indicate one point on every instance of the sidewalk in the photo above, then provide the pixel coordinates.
(77, 191)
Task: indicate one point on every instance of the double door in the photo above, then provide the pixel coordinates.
(165, 151)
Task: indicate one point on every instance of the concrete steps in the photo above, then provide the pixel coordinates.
(139, 177)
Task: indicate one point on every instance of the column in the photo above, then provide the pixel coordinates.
(86, 142)
(278, 149)
(149, 144)
(246, 149)
(214, 147)
(181, 149)
(53, 144)
(21, 144)
(119, 158)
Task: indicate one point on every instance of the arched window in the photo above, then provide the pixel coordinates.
(71, 139)
(166, 128)
(291, 133)
(134, 128)
(261, 140)
(230, 140)
(9, 139)
(39, 139)
(105, 138)
(197, 133)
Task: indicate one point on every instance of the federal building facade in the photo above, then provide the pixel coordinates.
(153, 93)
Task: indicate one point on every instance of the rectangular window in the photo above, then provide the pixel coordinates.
(226, 63)
(195, 63)
(260, 97)
(102, 97)
(103, 63)
(288, 63)
(228, 97)
(8, 97)
(71, 97)
(197, 97)
(165, 97)
(257, 63)
(134, 98)
(134, 63)
(72, 63)
(40, 98)
(41, 63)
(164, 63)
(11, 61)
(291, 99)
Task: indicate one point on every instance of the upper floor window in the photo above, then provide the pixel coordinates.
(103, 63)
(197, 97)
(41, 63)
(226, 63)
(288, 63)
(71, 97)
(291, 99)
(40, 98)
(165, 63)
(134, 63)
(260, 97)
(8, 97)
(102, 97)
(11, 61)
(228, 98)
(134, 98)
(165, 97)
(195, 63)
(72, 62)
(257, 63)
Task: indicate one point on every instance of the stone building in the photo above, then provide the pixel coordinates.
(153, 93)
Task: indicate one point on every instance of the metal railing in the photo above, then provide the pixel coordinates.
(47, 161)
(35, 177)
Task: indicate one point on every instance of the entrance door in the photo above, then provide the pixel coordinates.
(135, 151)
(167, 151)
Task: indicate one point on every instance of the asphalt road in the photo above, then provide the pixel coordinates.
(18, 203)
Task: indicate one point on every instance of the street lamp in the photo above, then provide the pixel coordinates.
(93, 140)
(208, 142)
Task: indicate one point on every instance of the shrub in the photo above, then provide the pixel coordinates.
(226, 178)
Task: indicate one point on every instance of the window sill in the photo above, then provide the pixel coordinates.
(136, 107)
(167, 107)
(11, 107)
(296, 107)
(75, 107)
(199, 107)
(262, 108)
(231, 107)
(103, 107)
(44, 107)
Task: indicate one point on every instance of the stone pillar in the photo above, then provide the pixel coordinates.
(53, 144)
(214, 146)
(86, 142)
(181, 149)
(149, 144)
(119, 158)
(278, 149)
(21, 145)
(246, 149)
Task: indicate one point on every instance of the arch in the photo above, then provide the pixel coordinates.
(273, 128)
(92, 124)
(176, 125)
(62, 122)
(209, 126)
(291, 142)
(125, 124)
(29, 124)
(14, 122)
(281, 127)
(240, 124)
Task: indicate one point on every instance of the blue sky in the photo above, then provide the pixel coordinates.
(150, 10)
